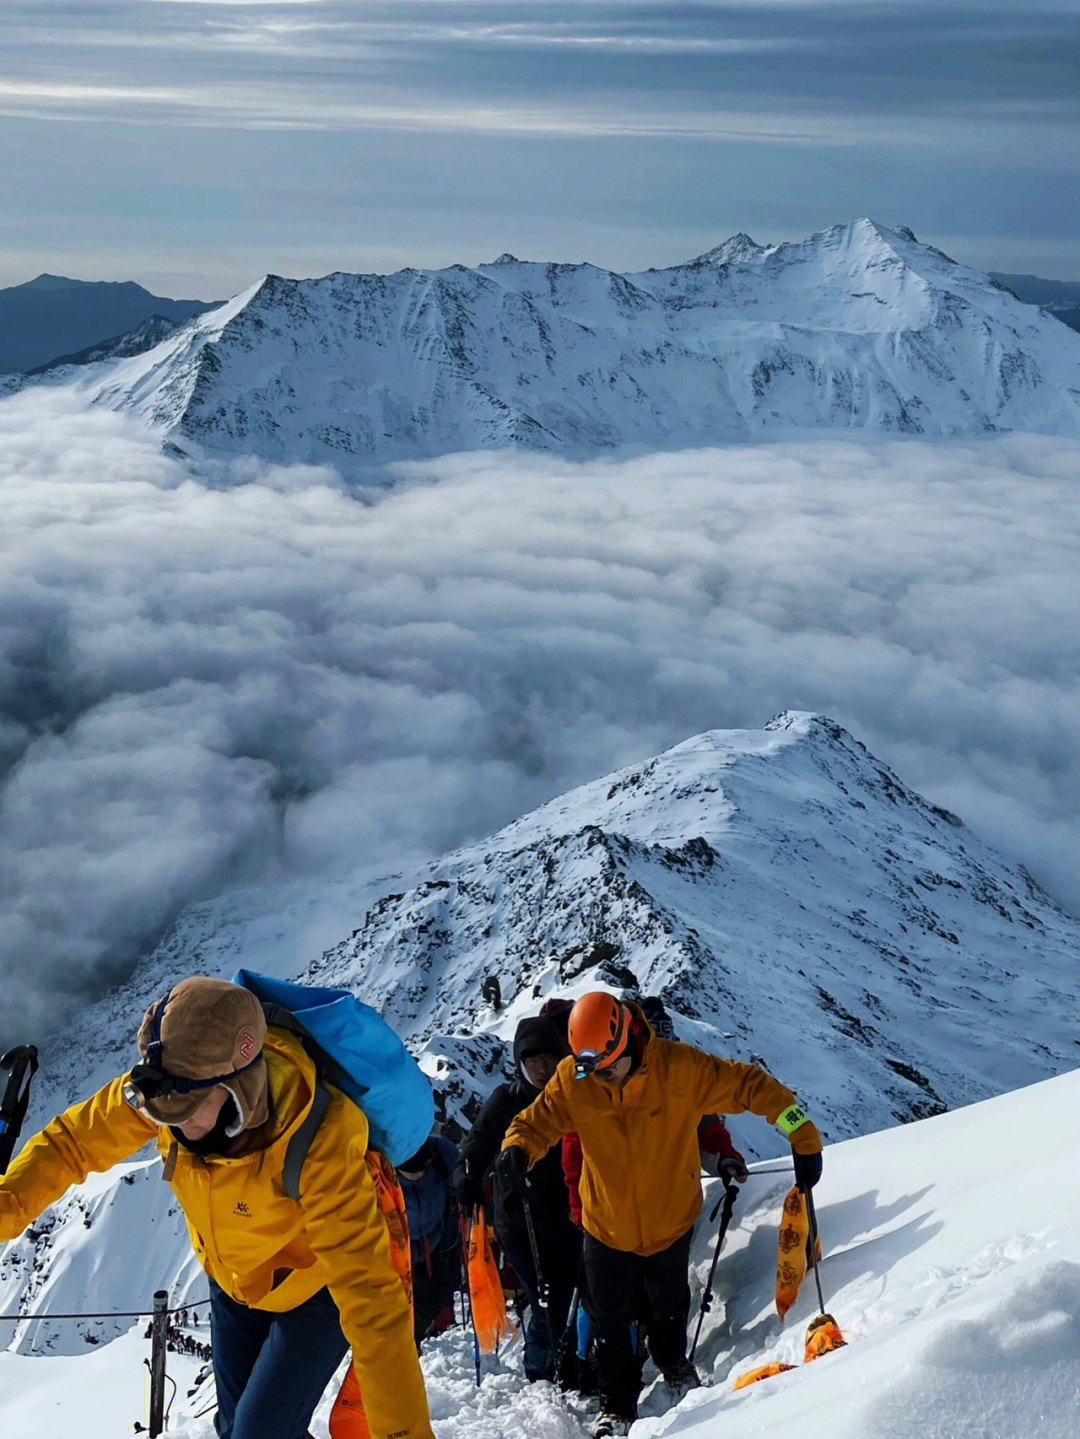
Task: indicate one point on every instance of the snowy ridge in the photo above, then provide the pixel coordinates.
(856, 327)
(795, 904)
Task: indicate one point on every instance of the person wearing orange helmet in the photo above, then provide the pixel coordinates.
(635, 1101)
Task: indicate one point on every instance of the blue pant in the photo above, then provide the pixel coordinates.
(271, 1369)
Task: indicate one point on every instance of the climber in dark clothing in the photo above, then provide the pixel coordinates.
(539, 1044)
(434, 1240)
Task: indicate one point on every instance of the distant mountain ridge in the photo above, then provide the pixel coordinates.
(858, 327)
(1060, 297)
(54, 316)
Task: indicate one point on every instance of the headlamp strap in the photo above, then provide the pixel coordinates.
(153, 1049)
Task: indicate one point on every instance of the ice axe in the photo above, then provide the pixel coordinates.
(21, 1064)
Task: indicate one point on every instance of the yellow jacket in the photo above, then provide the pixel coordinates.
(263, 1248)
(641, 1173)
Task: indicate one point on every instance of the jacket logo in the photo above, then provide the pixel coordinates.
(247, 1044)
(241, 1208)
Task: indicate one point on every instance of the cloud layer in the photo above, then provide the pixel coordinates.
(255, 676)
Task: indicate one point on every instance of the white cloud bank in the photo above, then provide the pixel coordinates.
(203, 685)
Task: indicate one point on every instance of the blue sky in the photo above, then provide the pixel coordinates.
(194, 145)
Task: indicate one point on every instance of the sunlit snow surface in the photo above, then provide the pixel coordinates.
(952, 1265)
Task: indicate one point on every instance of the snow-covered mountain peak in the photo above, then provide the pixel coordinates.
(856, 327)
(735, 869)
(739, 249)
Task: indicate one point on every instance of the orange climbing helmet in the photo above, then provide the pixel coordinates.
(598, 1031)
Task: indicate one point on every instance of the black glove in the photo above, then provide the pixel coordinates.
(807, 1169)
(511, 1168)
(468, 1188)
(733, 1171)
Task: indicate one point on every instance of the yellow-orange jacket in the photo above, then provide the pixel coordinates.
(641, 1176)
(263, 1248)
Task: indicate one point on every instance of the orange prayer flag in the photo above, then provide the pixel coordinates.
(765, 1371)
(822, 1337)
(792, 1251)
(485, 1287)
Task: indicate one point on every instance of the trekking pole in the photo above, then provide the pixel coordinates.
(21, 1064)
(466, 1295)
(823, 1332)
(543, 1294)
(563, 1347)
(812, 1217)
(727, 1207)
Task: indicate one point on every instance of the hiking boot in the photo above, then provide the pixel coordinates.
(681, 1379)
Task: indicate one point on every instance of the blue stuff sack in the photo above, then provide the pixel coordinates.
(356, 1051)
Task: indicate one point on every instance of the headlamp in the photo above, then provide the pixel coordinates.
(147, 1082)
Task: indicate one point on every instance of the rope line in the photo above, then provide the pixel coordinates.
(116, 1314)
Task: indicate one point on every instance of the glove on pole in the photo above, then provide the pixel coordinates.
(727, 1206)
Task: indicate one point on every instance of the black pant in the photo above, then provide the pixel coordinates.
(436, 1277)
(653, 1289)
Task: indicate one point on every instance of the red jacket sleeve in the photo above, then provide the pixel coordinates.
(713, 1138)
(571, 1163)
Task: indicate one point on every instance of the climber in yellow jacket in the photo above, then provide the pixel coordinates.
(635, 1102)
(293, 1282)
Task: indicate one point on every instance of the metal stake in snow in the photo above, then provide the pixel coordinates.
(159, 1332)
(21, 1064)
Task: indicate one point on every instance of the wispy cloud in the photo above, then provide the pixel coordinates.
(602, 118)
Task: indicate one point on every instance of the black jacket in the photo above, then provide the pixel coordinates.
(548, 1195)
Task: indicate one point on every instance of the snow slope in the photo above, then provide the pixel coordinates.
(952, 1265)
(856, 327)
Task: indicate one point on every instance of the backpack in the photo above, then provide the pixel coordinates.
(355, 1050)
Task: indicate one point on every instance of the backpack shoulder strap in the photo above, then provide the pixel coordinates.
(300, 1143)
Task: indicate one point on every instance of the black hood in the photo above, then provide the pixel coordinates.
(544, 1034)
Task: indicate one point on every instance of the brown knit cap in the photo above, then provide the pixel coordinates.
(210, 1027)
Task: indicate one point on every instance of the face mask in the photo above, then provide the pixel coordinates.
(219, 1139)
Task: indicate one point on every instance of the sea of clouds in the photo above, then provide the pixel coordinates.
(252, 677)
